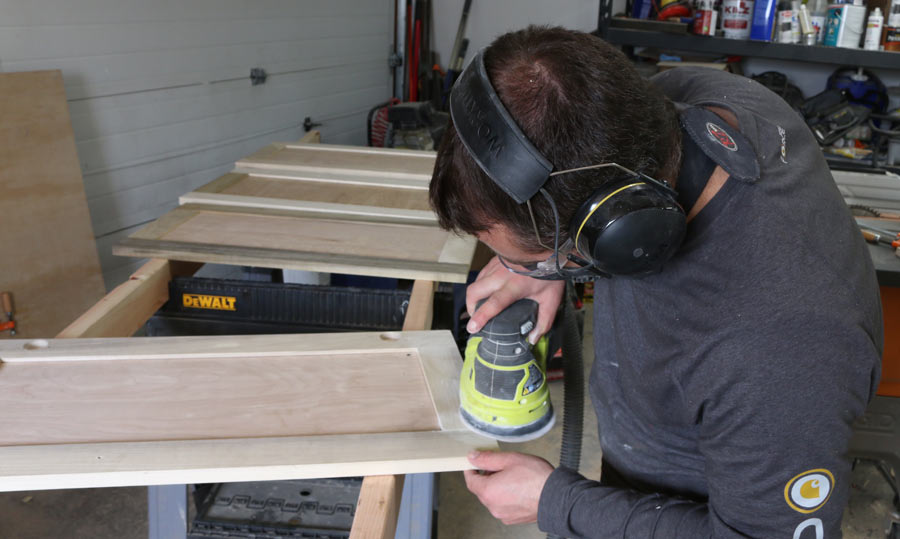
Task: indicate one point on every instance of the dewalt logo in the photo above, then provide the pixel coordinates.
(202, 301)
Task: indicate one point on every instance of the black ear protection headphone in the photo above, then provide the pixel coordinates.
(630, 226)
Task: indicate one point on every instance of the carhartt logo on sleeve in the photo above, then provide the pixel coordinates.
(809, 491)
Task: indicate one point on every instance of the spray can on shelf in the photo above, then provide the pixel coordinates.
(795, 21)
(818, 18)
(736, 17)
(763, 20)
(873, 30)
(784, 30)
(705, 18)
(893, 17)
(892, 28)
(806, 27)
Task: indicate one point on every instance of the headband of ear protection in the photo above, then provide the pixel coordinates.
(629, 226)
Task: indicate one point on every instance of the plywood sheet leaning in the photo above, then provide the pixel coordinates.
(48, 257)
(314, 207)
(114, 412)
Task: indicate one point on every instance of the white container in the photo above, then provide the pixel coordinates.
(806, 27)
(818, 22)
(784, 31)
(818, 18)
(736, 16)
(845, 25)
(893, 18)
(873, 30)
(795, 22)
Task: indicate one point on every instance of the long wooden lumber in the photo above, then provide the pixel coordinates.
(124, 310)
(301, 158)
(378, 507)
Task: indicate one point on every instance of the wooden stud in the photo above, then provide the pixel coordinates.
(421, 306)
(378, 507)
(124, 310)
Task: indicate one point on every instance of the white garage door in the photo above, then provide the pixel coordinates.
(160, 96)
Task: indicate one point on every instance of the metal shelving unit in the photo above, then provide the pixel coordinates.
(757, 49)
(608, 30)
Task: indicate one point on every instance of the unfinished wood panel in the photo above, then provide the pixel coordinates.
(351, 160)
(329, 176)
(249, 459)
(317, 191)
(302, 234)
(49, 259)
(282, 239)
(121, 400)
(303, 207)
(87, 406)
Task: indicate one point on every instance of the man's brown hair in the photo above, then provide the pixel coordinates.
(580, 102)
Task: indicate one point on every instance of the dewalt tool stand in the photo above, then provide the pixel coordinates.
(387, 505)
(876, 436)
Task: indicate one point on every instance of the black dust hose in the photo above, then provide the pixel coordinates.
(573, 386)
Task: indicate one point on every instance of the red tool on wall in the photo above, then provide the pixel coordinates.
(7, 304)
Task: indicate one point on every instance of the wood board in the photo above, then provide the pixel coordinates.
(116, 412)
(48, 257)
(412, 168)
(315, 190)
(314, 207)
(383, 246)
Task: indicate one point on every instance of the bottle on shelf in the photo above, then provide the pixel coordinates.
(705, 18)
(806, 27)
(818, 18)
(795, 21)
(784, 31)
(845, 25)
(873, 30)
(892, 28)
(762, 20)
(736, 18)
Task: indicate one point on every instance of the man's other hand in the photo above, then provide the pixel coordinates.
(508, 484)
(502, 287)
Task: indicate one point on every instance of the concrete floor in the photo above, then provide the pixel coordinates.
(121, 513)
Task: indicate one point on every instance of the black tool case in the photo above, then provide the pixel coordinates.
(308, 509)
(204, 306)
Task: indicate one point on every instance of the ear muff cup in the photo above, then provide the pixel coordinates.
(628, 227)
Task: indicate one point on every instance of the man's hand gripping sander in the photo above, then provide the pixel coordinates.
(503, 391)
